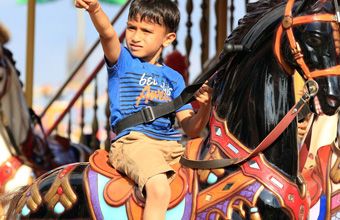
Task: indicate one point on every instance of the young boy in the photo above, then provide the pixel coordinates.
(137, 79)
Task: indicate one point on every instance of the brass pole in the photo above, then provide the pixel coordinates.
(30, 52)
(221, 7)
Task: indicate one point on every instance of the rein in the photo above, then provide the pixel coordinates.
(265, 143)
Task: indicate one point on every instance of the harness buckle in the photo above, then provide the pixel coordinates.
(147, 114)
(312, 87)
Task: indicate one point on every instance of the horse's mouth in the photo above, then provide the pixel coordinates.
(333, 106)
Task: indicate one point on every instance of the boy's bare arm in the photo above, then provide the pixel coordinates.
(192, 123)
(108, 36)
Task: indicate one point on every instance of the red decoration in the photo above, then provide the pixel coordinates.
(178, 62)
(60, 190)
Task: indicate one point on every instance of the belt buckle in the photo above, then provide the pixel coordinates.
(148, 114)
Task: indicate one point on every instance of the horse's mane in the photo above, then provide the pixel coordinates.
(249, 32)
(255, 11)
(251, 91)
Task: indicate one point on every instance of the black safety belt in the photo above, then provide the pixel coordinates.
(150, 113)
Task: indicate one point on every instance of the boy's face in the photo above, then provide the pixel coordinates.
(146, 39)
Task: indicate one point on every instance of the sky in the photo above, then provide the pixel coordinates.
(56, 31)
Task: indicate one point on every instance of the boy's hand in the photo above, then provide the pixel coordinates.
(90, 5)
(203, 95)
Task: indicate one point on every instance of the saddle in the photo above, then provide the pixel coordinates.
(120, 188)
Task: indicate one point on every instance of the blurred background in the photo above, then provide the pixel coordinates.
(64, 35)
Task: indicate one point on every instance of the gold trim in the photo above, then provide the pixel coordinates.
(87, 192)
(337, 209)
(303, 187)
(231, 205)
(31, 204)
(335, 149)
(36, 196)
(33, 201)
(217, 193)
(68, 197)
(240, 208)
(195, 195)
(257, 194)
(219, 214)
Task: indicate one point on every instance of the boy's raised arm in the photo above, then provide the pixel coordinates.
(108, 36)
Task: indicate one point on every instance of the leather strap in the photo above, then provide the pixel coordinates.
(304, 150)
(266, 142)
(149, 114)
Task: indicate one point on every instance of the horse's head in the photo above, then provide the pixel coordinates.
(13, 106)
(312, 33)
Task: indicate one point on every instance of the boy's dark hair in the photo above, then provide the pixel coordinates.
(162, 12)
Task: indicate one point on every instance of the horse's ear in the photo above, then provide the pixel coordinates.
(303, 5)
(306, 5)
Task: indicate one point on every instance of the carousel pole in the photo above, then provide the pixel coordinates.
(30, 52)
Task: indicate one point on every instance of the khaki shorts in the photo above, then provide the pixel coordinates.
(141, 157)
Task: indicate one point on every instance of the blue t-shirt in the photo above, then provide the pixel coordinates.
(134, 84)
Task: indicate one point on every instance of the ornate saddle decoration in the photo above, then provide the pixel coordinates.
(30, 200)
(258, 168)
(120, 188)
(59, 197)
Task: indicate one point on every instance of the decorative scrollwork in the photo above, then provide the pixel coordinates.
(60, 196)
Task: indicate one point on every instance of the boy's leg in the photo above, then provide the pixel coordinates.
(158, 195)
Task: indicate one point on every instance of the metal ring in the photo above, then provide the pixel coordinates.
(312, 87)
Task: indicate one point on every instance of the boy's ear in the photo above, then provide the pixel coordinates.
(169, 38)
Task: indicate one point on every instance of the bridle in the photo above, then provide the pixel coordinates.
(288, 23)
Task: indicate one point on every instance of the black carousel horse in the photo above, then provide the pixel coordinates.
(253, 94)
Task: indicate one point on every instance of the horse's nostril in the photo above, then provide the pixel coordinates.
(332, 101)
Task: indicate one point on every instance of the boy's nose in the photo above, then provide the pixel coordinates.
(136, 37)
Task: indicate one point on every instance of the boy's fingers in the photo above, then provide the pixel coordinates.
(206, 87)
(81, 4)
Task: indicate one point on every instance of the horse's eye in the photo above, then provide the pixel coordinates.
(1, 78)
(314, 41)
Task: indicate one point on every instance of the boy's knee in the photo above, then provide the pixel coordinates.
(158, 188)
(160, 192)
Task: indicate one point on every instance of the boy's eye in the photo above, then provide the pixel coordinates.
(147, 31)
(131, 28)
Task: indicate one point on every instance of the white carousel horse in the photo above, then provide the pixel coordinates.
(13, 172)
(44, 152)
(18, 132)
